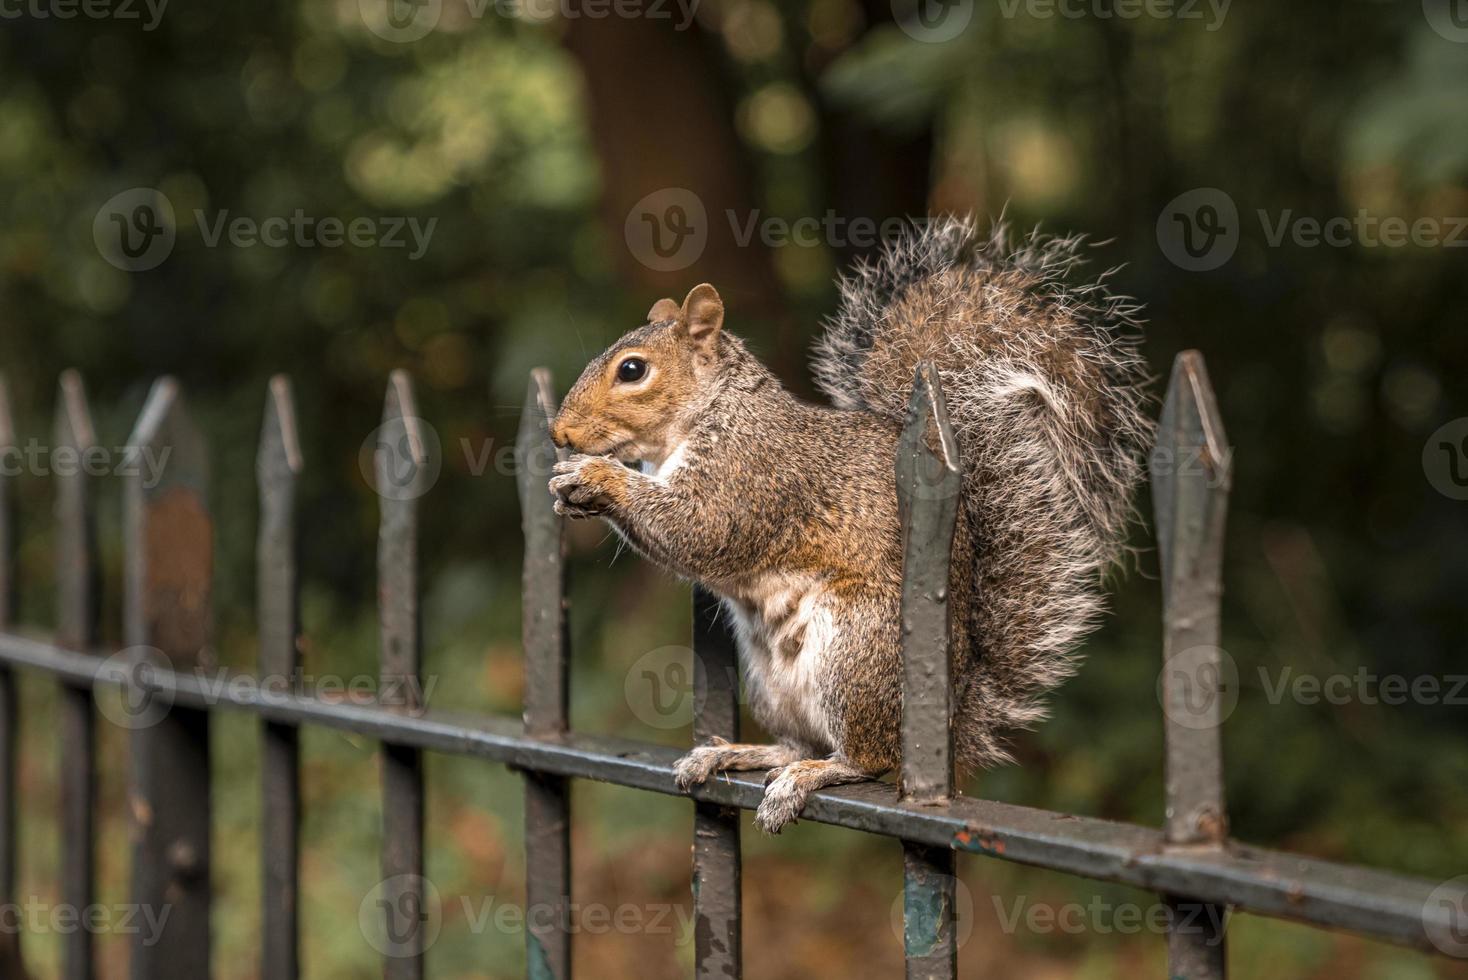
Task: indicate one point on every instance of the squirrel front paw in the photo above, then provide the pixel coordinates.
(585, 486)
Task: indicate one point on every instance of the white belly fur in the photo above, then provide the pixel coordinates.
(784, 629)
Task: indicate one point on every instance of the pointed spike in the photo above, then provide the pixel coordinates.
(166, 449)
(535, 454)
(400, 405)
(1191, 444)
(73, 428)
(928, 463)
(927, 420)
(405, 464)
(279, 458)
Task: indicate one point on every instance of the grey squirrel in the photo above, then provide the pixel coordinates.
(788, 511)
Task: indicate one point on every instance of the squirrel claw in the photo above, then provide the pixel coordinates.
(699, 764)
(564, 509)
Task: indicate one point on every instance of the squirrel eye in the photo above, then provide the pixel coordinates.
(632, 369)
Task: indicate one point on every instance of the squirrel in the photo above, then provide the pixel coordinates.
(788, 511)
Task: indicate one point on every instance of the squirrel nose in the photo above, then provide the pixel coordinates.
(558, 432)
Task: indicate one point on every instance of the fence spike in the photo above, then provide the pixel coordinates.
(929, 478)
(1191, 471)
(401, 470)
(169, 537)
(278, 465)
(77, 603)
(546, 641)
(10, 945)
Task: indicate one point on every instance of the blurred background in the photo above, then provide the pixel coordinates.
(548, 170)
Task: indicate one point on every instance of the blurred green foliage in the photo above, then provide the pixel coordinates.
(1332, 364)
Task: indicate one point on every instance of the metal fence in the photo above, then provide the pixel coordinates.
(168, 533)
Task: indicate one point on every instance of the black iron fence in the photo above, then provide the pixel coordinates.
(168, 532)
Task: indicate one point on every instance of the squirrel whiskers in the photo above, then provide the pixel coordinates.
(788, 510)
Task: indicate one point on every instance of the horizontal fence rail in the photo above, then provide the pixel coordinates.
(167, 673)
(1372, 903)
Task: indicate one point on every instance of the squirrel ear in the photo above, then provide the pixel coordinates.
(664, 309)
(703, 313)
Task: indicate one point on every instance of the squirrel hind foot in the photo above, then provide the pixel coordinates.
(789, 787)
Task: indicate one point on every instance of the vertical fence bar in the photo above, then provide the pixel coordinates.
(547, 797)
(278, 587)
(1191, 473)
(717, 893)
(169, 574)
(10, 958)
(77, 606)
(401, 469)
(928, 483)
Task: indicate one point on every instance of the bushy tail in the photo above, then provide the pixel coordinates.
(1044, 384)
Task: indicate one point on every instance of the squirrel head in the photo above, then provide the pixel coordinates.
(633, 400)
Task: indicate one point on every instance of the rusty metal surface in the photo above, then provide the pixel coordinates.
(547, 648)
(278, 465)
(928, 481)
(929, 943)
(1191, 473)
(77, 596)
(717, 887)
(1372, 903)
(10, 956)
(401, 471)
(169, 570)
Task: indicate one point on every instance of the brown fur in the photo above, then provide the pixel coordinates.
(788, 510)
